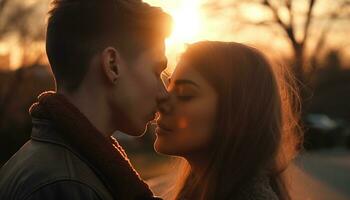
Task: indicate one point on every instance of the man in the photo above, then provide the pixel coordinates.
(107, 57)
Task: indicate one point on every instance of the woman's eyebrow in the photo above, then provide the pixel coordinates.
(185, 81)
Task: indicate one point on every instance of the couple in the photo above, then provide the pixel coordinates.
(224, 110)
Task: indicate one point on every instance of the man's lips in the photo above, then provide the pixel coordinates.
(152, 117)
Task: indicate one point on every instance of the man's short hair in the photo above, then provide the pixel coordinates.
(78, 29)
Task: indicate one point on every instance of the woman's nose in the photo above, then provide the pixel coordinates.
(163, 100)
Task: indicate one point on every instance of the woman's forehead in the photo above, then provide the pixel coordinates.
(183, 70)
(186, 72)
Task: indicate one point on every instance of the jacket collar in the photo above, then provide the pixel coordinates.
(44, 130)
(54, 112)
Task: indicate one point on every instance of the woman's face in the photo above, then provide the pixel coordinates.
(186, 121)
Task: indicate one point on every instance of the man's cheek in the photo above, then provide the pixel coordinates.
(150, 85)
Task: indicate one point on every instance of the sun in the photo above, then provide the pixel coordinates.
(187, 19)
(187, 22)
(186, 30)
(187, 27)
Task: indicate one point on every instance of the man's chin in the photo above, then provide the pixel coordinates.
(135, 129)
(136, 132)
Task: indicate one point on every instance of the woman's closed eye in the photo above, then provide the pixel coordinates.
(184, 93)
(185, 97)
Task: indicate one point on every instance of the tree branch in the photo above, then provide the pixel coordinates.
(291, 14)
(287, 28)
(2, 4)
(308, 21)
(335, 15)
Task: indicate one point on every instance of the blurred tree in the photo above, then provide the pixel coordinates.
(20, 20)
(331, 86)
(15, 122)
(23, 22)
(293, 21)
(3, 4)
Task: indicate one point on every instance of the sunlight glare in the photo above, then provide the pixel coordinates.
(186, 29)
(187, 22)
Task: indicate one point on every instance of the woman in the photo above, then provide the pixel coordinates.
(230, 118)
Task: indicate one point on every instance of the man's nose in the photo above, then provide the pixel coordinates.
(163, 99)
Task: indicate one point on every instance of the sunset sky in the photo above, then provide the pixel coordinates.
(194, 22)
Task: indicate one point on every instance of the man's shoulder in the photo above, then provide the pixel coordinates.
(39, 164)
(64, 189)
(45, 160)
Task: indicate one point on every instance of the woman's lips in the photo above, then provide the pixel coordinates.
(161, 128)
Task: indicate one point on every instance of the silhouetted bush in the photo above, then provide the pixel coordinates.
(19, 90)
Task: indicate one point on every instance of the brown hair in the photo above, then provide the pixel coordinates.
(257, 121)
(78, 29)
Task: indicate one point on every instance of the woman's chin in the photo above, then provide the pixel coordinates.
(164, 148)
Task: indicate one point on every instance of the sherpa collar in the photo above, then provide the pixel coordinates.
(104, 153)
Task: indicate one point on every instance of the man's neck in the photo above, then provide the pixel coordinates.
(93, 108)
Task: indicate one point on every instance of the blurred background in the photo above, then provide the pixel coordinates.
(311, 37)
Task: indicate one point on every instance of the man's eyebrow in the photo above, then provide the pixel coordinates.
(185, 81)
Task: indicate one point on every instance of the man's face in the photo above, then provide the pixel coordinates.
(134, 100)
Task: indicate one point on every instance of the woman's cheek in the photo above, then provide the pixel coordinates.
(197, 124)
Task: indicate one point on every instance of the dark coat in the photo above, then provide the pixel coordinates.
(46, 167)
(68, 158)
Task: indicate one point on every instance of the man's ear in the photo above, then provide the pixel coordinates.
(111, 64)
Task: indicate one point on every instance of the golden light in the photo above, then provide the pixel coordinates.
(9, 49)
(253, 13)
(3, 48)
(187, 22)
(187, 27)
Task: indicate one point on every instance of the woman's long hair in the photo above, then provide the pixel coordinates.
(257, 121)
